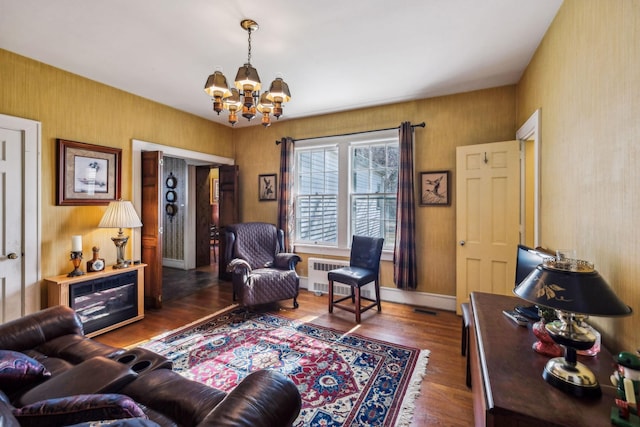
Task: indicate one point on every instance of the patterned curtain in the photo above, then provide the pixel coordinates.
(285, 197)
(405, 270)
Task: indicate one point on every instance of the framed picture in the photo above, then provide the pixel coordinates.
(87, 174)
(267, 185)
(434, 188)
(214, 191)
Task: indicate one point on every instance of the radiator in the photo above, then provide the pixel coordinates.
(317, 277)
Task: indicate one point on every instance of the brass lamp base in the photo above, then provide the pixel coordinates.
(121, 242)
(577, 379)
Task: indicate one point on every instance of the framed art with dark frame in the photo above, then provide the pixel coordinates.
(267, 185)
(87, 174)
(434, 188)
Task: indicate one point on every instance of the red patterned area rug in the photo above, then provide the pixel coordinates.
(344, 379)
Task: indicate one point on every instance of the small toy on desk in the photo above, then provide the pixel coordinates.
(627, 381)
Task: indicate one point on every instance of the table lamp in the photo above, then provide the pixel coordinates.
(575, 290)
(120, 214)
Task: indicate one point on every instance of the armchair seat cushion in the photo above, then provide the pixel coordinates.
(265, 285)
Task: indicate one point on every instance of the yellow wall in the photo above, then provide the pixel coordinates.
(584, 77)
(462, 119)
(78, 109)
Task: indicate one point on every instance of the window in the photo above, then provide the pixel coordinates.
(346, 186)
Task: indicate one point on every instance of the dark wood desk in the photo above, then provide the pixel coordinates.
(506, 374)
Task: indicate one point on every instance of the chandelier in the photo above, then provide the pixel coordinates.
(245, 96)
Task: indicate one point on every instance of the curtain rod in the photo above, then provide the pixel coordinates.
(420, 125)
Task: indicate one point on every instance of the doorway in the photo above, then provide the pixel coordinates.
(20, 230)
(193, 160)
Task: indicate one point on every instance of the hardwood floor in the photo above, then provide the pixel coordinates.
(444, 398)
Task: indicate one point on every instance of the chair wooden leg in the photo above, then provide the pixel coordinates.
(377, 286)
(331, 296)
(356, 289)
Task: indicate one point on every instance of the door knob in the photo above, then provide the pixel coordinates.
(12, 255)
(462, 242)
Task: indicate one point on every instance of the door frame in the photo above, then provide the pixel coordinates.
(530, 130)
(193, 158)
(32, 217)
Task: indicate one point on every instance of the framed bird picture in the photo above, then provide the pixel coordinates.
(267, 187)
(434, 188)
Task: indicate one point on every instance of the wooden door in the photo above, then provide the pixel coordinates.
(487, 218)
(152, 227)
(228, 211)
(203, 216)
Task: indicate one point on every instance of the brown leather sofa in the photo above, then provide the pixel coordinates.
(75, 373)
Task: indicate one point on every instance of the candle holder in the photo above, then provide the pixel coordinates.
(76, 260)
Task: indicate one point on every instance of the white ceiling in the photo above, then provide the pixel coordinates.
(335, 54)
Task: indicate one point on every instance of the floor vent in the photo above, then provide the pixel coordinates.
(317, 277)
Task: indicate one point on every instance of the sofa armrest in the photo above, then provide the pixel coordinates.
(37, 328)
(93, 376)
(263, 399)
(174, 396)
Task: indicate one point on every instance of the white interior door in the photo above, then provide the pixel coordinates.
(19, 217)
(487, 218)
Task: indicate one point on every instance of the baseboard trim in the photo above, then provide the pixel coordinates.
(174, 263)
(422, 299)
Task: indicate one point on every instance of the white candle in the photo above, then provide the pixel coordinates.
(76, 243)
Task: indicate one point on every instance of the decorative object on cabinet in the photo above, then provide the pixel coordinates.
(76, 256)
(76, 259)
(87, 174)
(575, 290)
(96, 263)
(267, 185)
(434, 188)
(120, 214)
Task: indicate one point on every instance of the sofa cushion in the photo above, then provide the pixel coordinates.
(77, 409)
(18, 369)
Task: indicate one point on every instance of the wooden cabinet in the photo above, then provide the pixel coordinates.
(506, 374)
(118, 293)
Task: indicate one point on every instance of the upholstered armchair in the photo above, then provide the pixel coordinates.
(260, 269)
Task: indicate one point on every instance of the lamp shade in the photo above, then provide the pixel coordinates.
(575, 287)
(120, 214)
(217, 85)
(279, 91)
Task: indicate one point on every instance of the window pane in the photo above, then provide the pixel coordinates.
(371, 209)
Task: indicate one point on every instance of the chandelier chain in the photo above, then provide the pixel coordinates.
(249, 50)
